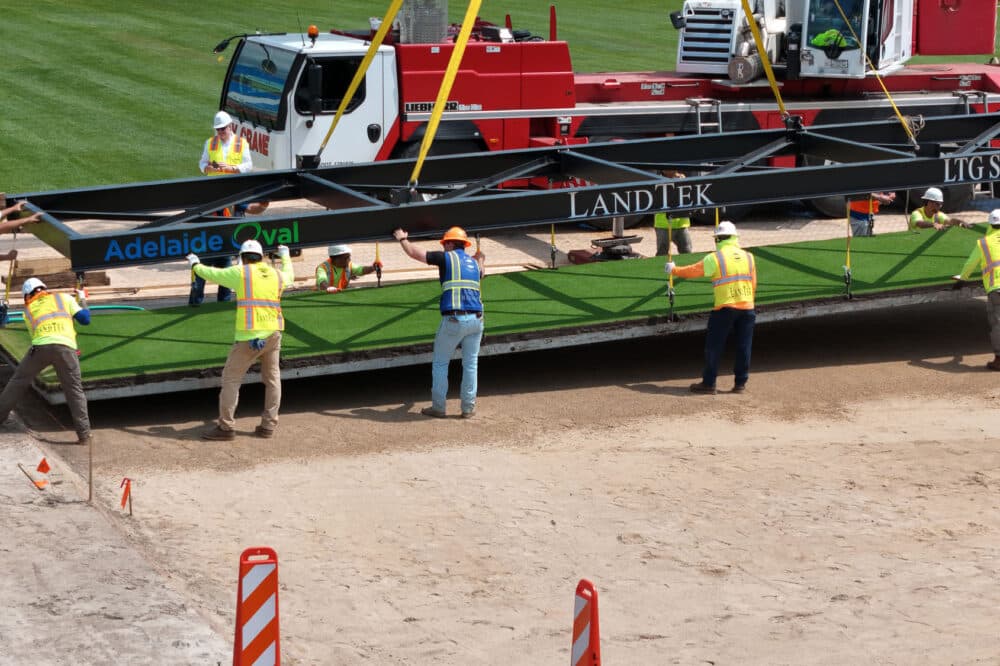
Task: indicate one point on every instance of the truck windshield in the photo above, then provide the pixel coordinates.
(256, 82)
(827, 29)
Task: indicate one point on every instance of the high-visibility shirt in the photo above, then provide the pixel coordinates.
(986, 256)
(862, 208)
(661, 221)
(460, 283)
(920, 215)
(330, 275)
(50, 319)
(258, 288)
(232, 157)
(733, 272)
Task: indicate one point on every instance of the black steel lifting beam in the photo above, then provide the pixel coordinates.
(587, 182)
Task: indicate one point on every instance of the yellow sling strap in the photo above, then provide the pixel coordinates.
(445, 90)
(762, 52)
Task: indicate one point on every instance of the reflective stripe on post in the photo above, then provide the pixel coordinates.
(257, 636)
(586, 649)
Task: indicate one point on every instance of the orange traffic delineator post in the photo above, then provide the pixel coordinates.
(257, 637)
(586, 629)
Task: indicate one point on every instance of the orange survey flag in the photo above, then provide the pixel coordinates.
(127, 485)
(43, 466)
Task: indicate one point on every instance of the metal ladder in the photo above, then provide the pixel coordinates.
(706, 105)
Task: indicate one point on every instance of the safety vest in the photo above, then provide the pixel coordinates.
(342, 277)
(920, 215)
(732, 281)
(258, 299)
(233, 158)
(989, 248)
(661, 221)
(833, 37)
(50, 320)
(460, 285)
(862, 208)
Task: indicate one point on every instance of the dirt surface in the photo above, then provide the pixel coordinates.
(843, 510)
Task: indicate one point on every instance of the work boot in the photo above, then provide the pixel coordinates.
(702, 387)
(739, 388)
(263, 433)
(468, 413)
(218, 434)
(85, 441)
(430, 411)
(994, 364)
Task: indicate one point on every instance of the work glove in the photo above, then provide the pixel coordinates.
(284, 252)
(669, 267)
(257, 344)
(332, 290)
(193, 259)
(81, 296)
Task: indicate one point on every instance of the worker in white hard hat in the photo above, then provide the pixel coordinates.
(224, 153)
(930, 215)
(49, 317)
(336, 273)
(259, 323)
(734, 281)
(985, 257)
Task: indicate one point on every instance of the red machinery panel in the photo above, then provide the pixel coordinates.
(955, 27)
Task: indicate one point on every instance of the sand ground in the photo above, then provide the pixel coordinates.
(843, 510)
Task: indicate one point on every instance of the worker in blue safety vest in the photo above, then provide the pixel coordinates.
(461, 316)
(49, 317)
(985, 256)
(734, 284)
(259, 323)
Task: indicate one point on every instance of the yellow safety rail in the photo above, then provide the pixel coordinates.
(390, 16)
(445, 90)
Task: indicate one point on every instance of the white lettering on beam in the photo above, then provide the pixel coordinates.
(974, 169)
(641, 200)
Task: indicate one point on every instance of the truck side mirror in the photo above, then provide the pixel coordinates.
(314, 83)
(677, 20)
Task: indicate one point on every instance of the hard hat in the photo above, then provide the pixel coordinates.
(30, 285)
(222, 119)
(995, 217)
(933, 194)
(251, 247)
(725, 228)
(336, 250)
(456, 234)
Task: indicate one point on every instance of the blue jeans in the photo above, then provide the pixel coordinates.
(465, 330)
(197, 295)
(720, 323)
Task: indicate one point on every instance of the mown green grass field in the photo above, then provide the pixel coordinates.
(399, 316)
(105, 91)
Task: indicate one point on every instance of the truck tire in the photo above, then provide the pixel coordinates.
(411, 151)
(706, 216)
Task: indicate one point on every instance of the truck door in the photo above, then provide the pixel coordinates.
(322, 82)
(955, 27)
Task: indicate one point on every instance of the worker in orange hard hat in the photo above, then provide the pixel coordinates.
(461, 315)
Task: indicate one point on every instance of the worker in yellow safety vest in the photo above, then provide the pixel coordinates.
(336, 273)
(930, 215)
(259, 323)
(985, 256)
(734, 283)
(668, 228)
(49, 317)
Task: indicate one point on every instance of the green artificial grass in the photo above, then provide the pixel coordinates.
(399, 316)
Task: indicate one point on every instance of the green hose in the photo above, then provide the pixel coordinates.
(18, 316)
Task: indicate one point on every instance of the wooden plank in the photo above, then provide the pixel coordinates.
(64, 279)
(45, 266)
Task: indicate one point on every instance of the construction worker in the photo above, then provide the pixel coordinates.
(49, 317)
(336, 273)
(461, 316)
(224, 153)
(930, 215)
(8, 225)
(985, 256)
(669, 228)
(863, 211)
(259, 324)
(734, 281)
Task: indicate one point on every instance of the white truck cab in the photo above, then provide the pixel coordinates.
(284, 91)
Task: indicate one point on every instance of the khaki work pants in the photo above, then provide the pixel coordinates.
(241, 357)
(67, 366)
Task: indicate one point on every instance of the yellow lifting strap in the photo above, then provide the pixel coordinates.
(762, 52)
(881, 83)
(359, 76)
(445, 90)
